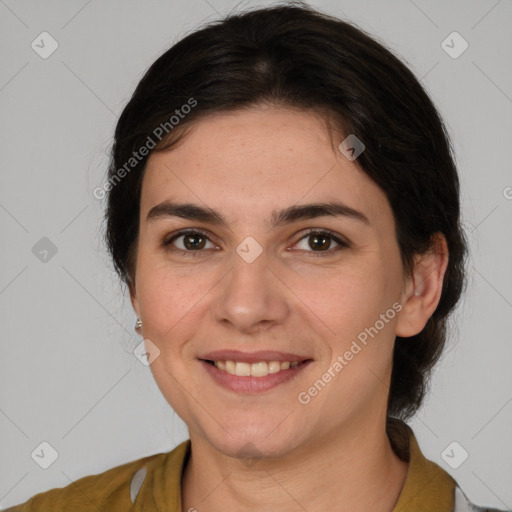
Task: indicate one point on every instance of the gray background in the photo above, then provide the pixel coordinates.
(68, 375)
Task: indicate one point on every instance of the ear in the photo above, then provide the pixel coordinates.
(422, 291)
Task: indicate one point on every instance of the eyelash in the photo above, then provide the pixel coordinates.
(342, 244)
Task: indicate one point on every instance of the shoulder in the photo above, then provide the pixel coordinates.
(427, 485)
(112, 490)
(462, 504)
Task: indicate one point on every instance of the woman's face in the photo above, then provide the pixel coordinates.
(259, 282)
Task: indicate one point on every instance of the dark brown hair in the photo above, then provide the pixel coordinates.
(293, 55)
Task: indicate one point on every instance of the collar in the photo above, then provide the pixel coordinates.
(427, 486)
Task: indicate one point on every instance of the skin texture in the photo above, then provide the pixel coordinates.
(332, 452)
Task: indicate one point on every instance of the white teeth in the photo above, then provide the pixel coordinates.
(274, 366)
(259, 369)
(243, 369)
(230, 367)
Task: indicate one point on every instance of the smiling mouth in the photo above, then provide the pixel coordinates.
(258, 369)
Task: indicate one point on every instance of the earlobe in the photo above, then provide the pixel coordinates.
(423, 290)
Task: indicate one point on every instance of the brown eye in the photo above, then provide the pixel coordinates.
(319, 242)
(188, 243)
(194, 241)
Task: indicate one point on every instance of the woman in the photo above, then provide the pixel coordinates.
(283, 207)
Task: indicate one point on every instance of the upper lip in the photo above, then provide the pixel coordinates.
(252, 357)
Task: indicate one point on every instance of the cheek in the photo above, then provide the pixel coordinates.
(358, 309)
(348, 298)
(170, 302)
(356, 305)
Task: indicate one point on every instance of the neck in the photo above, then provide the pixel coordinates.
(352, 469)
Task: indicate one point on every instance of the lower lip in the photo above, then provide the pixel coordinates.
(252, 384)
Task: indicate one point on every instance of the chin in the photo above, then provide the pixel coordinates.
(251, 449)
(254, 443)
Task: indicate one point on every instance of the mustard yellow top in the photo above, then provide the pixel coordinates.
(154, 484)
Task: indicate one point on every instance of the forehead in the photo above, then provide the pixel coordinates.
(247, 163)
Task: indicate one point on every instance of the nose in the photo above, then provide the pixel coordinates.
(252, 296)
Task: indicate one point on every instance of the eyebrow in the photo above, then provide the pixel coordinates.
(279, 217)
